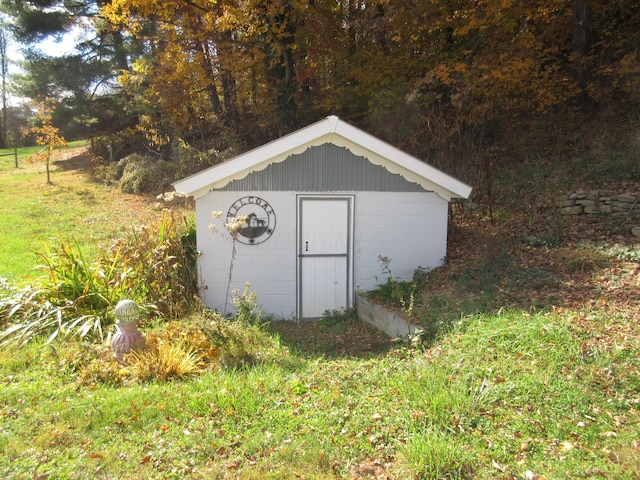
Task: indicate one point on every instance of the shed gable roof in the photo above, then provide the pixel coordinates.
(330, 130)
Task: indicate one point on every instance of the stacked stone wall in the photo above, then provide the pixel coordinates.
(599, 202)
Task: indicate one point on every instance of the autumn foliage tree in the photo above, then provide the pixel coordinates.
(442, 80)
(274, 61)
(208, 63)
(46, 134)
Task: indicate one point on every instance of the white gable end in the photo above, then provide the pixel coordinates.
(330, 130)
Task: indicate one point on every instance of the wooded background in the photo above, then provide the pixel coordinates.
(459, 83)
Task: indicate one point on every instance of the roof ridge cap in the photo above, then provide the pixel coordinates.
(333, 123)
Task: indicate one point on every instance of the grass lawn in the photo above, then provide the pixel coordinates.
(27, 155)
(531, 371)
(33, 213)
(504, 396)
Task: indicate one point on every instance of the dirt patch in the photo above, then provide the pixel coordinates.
(70, 159)
(129, 210)
(341, 337)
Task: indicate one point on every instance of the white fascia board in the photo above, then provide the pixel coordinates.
(254, 160)
(399, 162)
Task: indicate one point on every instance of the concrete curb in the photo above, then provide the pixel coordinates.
(384, 320)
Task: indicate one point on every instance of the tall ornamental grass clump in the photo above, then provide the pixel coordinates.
(154, 265)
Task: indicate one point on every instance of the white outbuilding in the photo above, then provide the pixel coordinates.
(318, 209)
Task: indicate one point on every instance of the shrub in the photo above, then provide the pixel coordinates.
(142, 174)
(136, 173)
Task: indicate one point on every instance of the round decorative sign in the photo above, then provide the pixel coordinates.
(260, 222)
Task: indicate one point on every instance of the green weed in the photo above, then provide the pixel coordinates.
(540, 240)
(246, 305)
(620, 252)
(398, 293)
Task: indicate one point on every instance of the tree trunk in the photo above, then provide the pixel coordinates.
(229, 90)
(212, 90)
(4, 70)
(49, 148)
(581, 46)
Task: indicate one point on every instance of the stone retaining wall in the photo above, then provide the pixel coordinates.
(603, 202)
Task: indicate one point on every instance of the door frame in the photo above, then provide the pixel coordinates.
(300, 198)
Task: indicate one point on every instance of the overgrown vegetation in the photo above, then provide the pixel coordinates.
(147, 173)
(198, 344)
(153, 265)
(531, 273)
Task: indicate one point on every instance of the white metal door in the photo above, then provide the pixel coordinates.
(324, 255)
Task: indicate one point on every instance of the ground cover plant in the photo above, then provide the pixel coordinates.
(533, 372)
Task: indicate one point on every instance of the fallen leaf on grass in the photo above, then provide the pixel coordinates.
(566, 446)
(37, 476)
(529, 475)
(497, 466)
